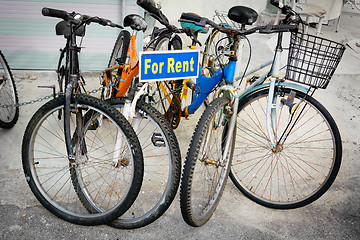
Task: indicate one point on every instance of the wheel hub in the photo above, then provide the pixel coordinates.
(278, 148)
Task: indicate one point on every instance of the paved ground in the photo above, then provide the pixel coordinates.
(336, 215)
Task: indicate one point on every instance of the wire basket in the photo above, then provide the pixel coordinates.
(312, 60)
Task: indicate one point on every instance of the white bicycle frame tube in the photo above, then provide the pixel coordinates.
(128, 112)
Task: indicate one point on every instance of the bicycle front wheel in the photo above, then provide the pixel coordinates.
(8, 96)
(162, 166)
(206, 170)
(305, 161)
(105, 177)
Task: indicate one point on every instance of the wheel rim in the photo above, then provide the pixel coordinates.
(293, 172)
(54, 181)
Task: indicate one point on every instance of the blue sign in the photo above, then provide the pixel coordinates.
(168, 65)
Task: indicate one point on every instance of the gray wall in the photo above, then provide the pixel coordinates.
(28, 39)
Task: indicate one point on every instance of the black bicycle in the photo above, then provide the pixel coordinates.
(81, 157)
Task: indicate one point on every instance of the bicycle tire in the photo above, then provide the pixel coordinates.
(107, 175)
(8, 95)
(119, 51)
(165, 96)
(299, 170)
(200, 192)
(162, 167)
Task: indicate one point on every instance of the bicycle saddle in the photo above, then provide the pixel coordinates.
(63, 28)
(136, 22)
(242, 15)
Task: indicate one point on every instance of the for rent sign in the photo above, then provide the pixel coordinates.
(168, 65)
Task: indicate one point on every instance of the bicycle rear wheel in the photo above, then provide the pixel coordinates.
(306, 160)
(105, 177)
(165, 96)
(8, 96)
(205, 173)
(118, 54)
(162, 166)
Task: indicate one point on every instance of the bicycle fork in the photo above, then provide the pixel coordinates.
(67, 130)
(271, 114)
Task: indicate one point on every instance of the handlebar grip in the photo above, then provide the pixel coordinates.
(198, 20)
(148, 5)
(192, 17)
(49, 12)
(278, 28)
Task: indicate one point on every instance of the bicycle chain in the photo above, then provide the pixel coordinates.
(48, 97)
(86, 93)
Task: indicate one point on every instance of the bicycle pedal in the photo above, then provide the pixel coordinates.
(158, 140)
(293, 108)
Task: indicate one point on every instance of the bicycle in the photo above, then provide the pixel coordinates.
(81, 157)
(161, 153)
(9, 112)
(265, 128)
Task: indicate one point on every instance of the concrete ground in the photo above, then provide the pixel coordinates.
(336, 215)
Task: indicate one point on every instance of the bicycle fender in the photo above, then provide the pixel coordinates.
(266, 85)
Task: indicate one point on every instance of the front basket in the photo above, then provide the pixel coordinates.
(312, 60)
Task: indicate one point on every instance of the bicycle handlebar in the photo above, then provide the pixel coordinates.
(198, 20)
(202, 21)
(50, 12)
(150, 6)
(56, 13)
